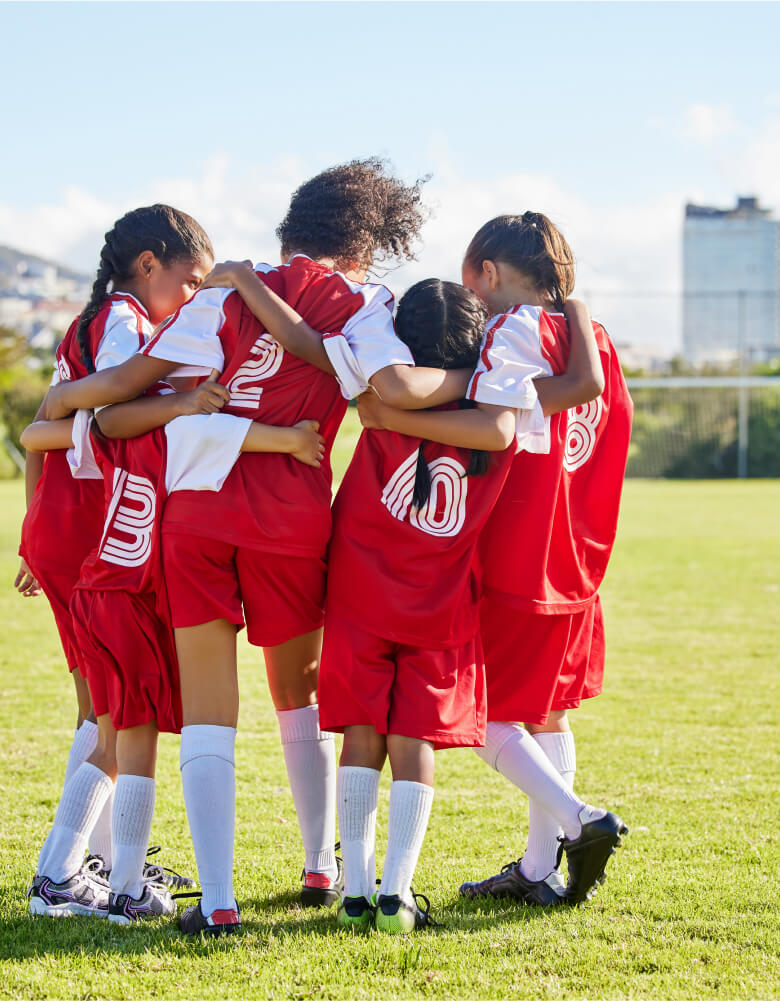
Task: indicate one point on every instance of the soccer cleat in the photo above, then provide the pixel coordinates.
(588, 854)
(510, 882)
(221, 922)
(356, 912)
(155, 902)
(319, 890)
(84, 893)
(398, 916)
(161, 874)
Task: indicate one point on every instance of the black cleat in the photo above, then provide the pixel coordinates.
(221, 922)
(588, 854)
(510, 882)
(398, 916)
(319, 890)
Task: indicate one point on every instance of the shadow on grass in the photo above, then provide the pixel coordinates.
(265, 920)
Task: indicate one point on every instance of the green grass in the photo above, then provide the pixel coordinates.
(683, 744)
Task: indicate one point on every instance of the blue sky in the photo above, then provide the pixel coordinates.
(607, 116)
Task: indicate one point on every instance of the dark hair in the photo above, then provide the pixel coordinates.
(533, 245)
(355, 212)
(170, 235)
(442, 323)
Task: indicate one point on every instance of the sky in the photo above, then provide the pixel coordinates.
(606, 116)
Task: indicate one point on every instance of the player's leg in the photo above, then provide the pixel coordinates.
(283, 600)
(133, 896)
(542, 855)
(411, 798)
(62, 884)
(362, 758)
(309, 756)
(209, 692)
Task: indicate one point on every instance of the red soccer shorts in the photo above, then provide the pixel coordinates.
(282, 595)
(433, 695)
(539, 663)
(128, 658)
(58, 588)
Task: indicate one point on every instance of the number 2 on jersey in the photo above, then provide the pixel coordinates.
(265, 358)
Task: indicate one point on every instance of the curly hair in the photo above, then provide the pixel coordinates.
(171, 235)
(533, 245)
(441, 323)
(355, 213)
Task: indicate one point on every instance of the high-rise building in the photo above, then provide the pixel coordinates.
(731, 279)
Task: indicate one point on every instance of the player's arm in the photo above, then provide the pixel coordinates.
(487, 427)
(128, 420)
(47, 436)
(583, 379)
(408, 387)
(301, 441)
(279, 319)
(112, 385)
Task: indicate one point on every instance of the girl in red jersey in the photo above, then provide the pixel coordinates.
(123, 627)
(544, 551)
(153, 260)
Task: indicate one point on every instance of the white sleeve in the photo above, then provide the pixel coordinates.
(191, 335)
(81, 458)
(202, 449)
(366, 343)
(510, 360)
(121, 337)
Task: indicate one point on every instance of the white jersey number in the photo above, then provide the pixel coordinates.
(266, 356)
(581, 435)
(133, 520)
(445, 511)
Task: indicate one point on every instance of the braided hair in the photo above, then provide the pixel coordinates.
(355, 212)
(441, 323)
(170, 235)
(533, 245)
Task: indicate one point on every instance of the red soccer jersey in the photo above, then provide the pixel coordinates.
(64, 520)
(548, 541)
(403, 574)
(271, 501)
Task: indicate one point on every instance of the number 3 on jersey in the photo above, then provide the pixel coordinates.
(445, 511)
(265, 358)
(131, 522)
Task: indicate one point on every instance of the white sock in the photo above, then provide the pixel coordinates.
(100, 842)
(208, 777)
(513, 752)
(84, 743)
(410, 808)
(544, 831)
(310, 756)
(82, 800)
(131, 826)
(357, 794)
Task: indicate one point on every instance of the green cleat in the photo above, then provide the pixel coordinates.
(399, 917)
(357, 912)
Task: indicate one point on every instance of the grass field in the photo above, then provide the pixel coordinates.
(683, 744)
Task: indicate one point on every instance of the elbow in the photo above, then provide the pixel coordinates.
(107, 426)
(26, 439)
(504, 433)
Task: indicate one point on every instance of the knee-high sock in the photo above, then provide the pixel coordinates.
(357, 793)
(82, 800)
(131, 826)
(513, 752)
(410, 809)
(310, 756)
(541, 855)
(84, 743)
(100, 842)
(208, 778)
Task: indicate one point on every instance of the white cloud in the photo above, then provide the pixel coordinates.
(621, 249)
(707, 123)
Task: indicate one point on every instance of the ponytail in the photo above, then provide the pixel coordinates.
(531, 244)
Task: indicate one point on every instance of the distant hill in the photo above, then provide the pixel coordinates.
(11, 258)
